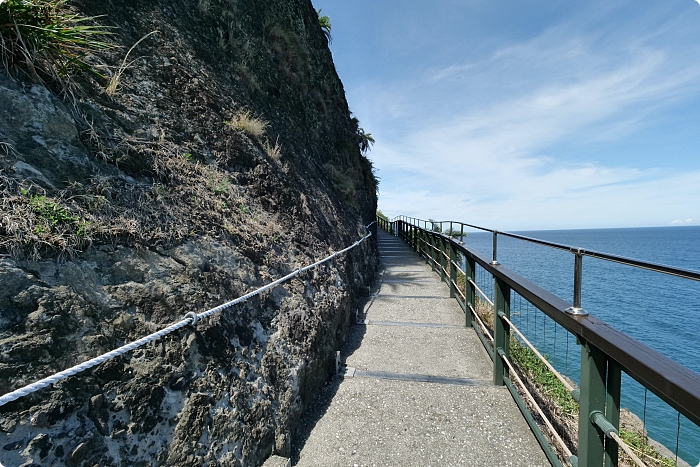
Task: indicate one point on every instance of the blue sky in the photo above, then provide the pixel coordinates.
(527, 115)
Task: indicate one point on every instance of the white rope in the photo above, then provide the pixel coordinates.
(481, 292)
(481, 323)
(461, 294)
(563, 381)
(627, 449)
(557, 438)
(189, 318)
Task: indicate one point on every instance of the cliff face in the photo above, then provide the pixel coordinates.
(122, 212)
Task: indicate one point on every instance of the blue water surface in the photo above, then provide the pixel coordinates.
(659, 310)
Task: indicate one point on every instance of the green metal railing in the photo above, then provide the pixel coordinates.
(605, 351)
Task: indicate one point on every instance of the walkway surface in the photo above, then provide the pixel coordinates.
(418, 387)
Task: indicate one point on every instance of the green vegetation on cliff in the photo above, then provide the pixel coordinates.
(44, 37)
(225, 158)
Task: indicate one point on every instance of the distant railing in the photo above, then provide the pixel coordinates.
(605, 351)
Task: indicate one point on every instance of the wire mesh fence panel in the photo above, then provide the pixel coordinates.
(553, 341)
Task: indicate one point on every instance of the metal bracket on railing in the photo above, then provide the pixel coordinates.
(601, 422)
(573, 311)
(576, 310)
(576, 395)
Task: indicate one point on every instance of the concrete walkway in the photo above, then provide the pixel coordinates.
(418, 388)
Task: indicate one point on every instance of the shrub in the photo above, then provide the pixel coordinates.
(454, 233)
(325, 23)
(44, 37)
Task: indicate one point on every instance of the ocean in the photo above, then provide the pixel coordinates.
(659, 310)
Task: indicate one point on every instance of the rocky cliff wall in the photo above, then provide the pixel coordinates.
(121, 212)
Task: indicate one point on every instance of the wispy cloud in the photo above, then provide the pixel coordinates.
(687, 221)
(497, 161)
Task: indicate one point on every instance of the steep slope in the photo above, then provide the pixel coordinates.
(122, 212)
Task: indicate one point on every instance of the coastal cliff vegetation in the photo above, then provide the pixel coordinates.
(158, 158)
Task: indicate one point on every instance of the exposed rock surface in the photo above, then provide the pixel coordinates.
(122, 213)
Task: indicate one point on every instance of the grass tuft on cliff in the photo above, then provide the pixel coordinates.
(249, 124)
(45, 37)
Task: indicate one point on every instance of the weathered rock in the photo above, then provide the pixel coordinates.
(228, 391)
(42, 134)
(13, 446)
(78, 454)
(39, 446)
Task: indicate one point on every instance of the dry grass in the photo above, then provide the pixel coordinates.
(485, 312)
(7, 148)
(244, 121)
(186, 198)
(273, 151)
(113, 85)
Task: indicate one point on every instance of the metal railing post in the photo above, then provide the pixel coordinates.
(433, 254)
(453, 269)
(426, 253)
(495, 247)
(422, 248)
(443, 259)
(593, 396)
(576, 310)
(412, 233)
(501, 330)
(469, 289)
(419, 242)
(612, 410)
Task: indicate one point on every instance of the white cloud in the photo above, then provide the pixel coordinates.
(687, 221)
(493, 163)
